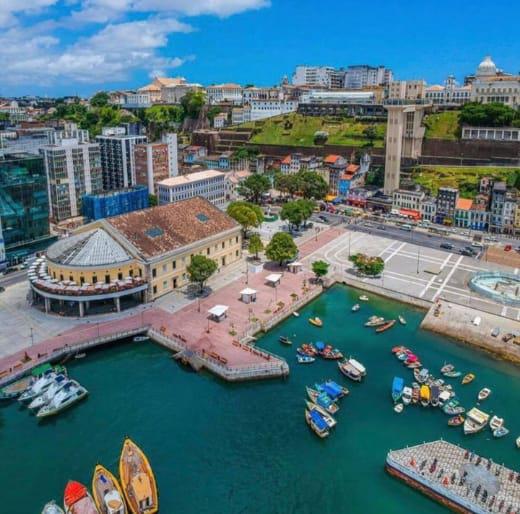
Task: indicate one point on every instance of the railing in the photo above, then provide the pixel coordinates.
(505, 299)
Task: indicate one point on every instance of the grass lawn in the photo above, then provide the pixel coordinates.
(298, 130)
(443, 125)
(465, 178)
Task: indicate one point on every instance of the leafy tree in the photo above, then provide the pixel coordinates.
(255, 245)
(192, 103)
(281, 248)
(370, 133)
(200, 270)
(488, 115)
(254, 187)
(320, 269)
(313, 185)
(246, 214)
(4, 116)
(371, 266)
(212, 112)
(376, 176)
(159, 118)
(292, 212)
(152, 200)
(320, 137)
(99, 99)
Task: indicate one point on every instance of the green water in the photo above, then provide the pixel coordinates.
(245, 448)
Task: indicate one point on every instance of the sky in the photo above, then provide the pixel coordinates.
(66, 47)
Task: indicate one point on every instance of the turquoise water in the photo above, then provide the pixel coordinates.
(245, 448)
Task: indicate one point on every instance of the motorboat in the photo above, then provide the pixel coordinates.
(386, 326)
(468, 378)
(307, 349)
(402, 320)
(500, 432)
(317, 423)
(407, 395)
(403, 356)
(323, 400)
(398, 349)
(305, 359)
(52, 508)
(475, 421)
(375, 321)
(434, 395)
(496, 422)
(398, 407)
(518, 442)
(452, 407)
(333, 389)
(358, 366)
(284, 340)
(356, 307)
(414, 365)
(328, 352)
(483, 394)
(456, 421)
(77, 499)
(16, 388)
(70, 394)
(48, 395)
(39, 387)
(421, 375)
(331, 422)
(425, 395)
(296, 314)
(410, 359)
(350, 371)
(140, 339)
(364, 298)
(316, 322)
(137, 480)
(107, 492)
(447, 368)
(452, 374)
(397, 388)
(444, 397)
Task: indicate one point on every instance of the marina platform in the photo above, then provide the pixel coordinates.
(457, 478)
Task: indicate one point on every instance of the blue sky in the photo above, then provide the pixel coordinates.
(59, 47)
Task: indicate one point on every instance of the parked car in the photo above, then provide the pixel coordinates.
(466, 253)
(447, 246)
(476, 244)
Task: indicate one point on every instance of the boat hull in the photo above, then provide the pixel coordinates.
(98, 471)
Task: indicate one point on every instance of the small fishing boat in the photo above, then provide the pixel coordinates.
(48, 395)
(483, 394)
(77, 499)
(452, 374)
(468, 378)
(16, 388)
(414, 365)
(399, 349)
(52, 508)
(322, 399)
(444, 397)
(386, 326)
(456, 421)
(398, 407)
(350, 371)
(331, 422)
(475, 421)
(402, 320)
(403, 356)
(335, 390)
(305, 359)
(518, 442)
(375, 321)
(316, 322)
(500, 432)
(284, 340)
(434, 395)
(39, 387)
(397, 388)
(307, 349)
(317, 423)
(296, 314)
(364, 298)
(328, 352)
(68, 395)
(356, 307)
(415, 394)
(80, 355)
(424, 395)
(421, 375)
(447, 368)
(137, 480)
(107, 492)
(496, 422)
(452, 408)
(407, 395)
(410, 359)
(358, 366)
(140, 339)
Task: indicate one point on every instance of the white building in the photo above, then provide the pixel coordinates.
(231, 93)
(261, 109)
(314, 76)
(406, 90)
(491, 133)
(363, 75)
(411, 200)
(450, 93)
(338, 97)
(136, 100)
(262, 93)
(210, 184)
(170, 139)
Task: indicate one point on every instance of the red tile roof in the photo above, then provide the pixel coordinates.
(353, 168)
(331, 159)
(464, 204)
(287, 160)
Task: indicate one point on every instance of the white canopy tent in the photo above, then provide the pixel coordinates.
(273, 279)
(248, 295)
(295, 267)
(218, 312)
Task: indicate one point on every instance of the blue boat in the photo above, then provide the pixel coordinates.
(342, 391)
(333, 390)
(318, 424)
(323, 400)
(319, 345)
(397, 388)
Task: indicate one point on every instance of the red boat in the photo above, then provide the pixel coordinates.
(77, 499)
(399, 349)
(386, 326)
(331, 353)
(308, 349)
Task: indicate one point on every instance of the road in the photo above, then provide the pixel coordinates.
(13, 278)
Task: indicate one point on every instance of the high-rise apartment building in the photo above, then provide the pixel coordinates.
(314, 76)
(363, 75)
(73, 169)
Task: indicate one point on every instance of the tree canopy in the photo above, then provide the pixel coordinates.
(160, 118)
(371, 266)
(281, 248)
(313, 185)
(254, 186)
(297, 212)
(200, 270)
(489, 115)
(320, 269)
(99, 99)
(246, 214)
(255, 245)
(192, 103)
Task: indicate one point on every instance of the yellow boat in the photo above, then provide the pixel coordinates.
(468, 378)
(137, 480)
(107, 492)
(316, 322)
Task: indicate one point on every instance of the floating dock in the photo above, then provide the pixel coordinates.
(457, 478)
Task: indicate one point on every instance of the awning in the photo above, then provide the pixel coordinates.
(248, 291)
(295, 264)
(410, 213)
(218, 310)
(273, 278)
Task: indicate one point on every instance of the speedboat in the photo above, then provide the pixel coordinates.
(16, 388)
(468, 378)
(386, 326)
(483, 394)
(452, 408)
(424, 395)
(107, 492)
(77, 499)
(284, 340)
(456, 421)
(349, 371)
(398, 407)
(407, 395)
(375, 321)
(475, 421)
(296, 314)
(397, 388)
(70, 394)
(323, 400)
(500, 432)
(452, 374)
(496, 422)
(137, 480)
(447, 368)
(39, 387)
(331, 422)
(421, 375)
(316, 321)
(305, 359)
(364, 298)
(356, 307)
(402, 320)
(317, 423)
(48, 395)
(52, 508)
(358, 366)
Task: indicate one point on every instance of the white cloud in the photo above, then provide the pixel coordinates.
(10, 8)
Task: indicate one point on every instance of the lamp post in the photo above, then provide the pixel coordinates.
(418, 258)
(32, 337)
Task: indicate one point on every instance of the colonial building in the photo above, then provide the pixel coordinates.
(223, 93)
(408, 203)
(450, 93)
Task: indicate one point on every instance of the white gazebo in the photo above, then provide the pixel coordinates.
(248, 295)
(295, 267)
(273, 279)
(219, 312)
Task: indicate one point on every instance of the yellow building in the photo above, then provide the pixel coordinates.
(133, 258)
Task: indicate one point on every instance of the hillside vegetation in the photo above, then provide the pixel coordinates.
(442, 125)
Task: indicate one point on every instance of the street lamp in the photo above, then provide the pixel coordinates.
(418, 258)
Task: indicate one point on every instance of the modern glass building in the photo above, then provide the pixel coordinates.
(24, 206)
(113, 203)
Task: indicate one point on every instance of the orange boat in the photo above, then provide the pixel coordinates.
(77, 499)
(386, 326)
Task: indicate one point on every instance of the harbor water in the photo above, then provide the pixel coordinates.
(245, 448)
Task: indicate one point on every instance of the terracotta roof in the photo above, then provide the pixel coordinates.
(150, 87)
(331, 159)
(464, 204)
(347, 176)
(287, 160)
(352, 168)
(162, 229)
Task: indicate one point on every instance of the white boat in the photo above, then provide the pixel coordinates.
(500, 432)
(398, 408)
(444, 397)
(358, 366)
(296, 314)
(402, 320)
(406, 397)
(305, 359)
(69, 395)
(52, 508)
(48, 395)
(356, 307)
(331, 422)
(80, 355)
(350, 371)
(364, 298)
(496, 422)
(518, 442)
(475, 421)
(38, 388)
(140, 339)
(483, 394)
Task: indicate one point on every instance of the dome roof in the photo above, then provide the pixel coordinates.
(487, 67)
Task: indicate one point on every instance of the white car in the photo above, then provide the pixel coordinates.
(477, 321)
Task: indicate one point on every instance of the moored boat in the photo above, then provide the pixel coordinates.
(356, 307)
(452, 408)
(48, 395)
(397, 388)
(496, 422)
(107, 492)
(323, 400)
(468, 378)
(68, 395)
(452, 374)
(424, 395)
(475, 421)
(331, 421)
(434, 395)
(500, 432)
(349, 371)
(375, 321)
(398, 349)
(52, 508)
(358, 366)
(305, 359)
(39, 387)
(407, 395)
(317, 423)
(447, 367)
(388, 325)
(398, 407)
(421, 375)
(296, 314)
(316, 321)
(137, 480)
(16, 388)
(364, 298)
(284, 340)
(483, 394)
(518, 442)
(402, 320)
(456, 421)
(77, 499)
(330, 353)
(334, 390)
(307, 349)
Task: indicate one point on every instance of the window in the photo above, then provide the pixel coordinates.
(154, 272)
(223, 260)
(94, 279)
(174, 281)
(131, 273)
(223, 244)
(236, 253)
(81, 280)
(207, 251)
(119, 276)
(154, 289)
(174, 264)
(236, 239)
(107, 279)
(164, 284)
(140, 272)
(165, 268)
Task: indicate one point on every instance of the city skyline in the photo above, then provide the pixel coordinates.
(63, 48)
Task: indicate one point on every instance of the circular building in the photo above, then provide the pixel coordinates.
(487, 68)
